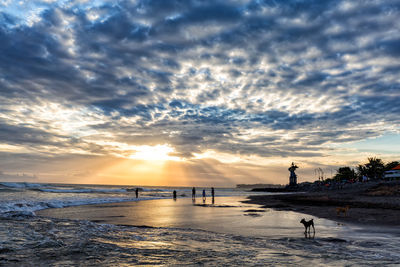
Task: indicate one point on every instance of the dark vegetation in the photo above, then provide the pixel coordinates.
(345, 177)
(373, 170)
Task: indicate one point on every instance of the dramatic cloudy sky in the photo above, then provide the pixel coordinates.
(196, 92)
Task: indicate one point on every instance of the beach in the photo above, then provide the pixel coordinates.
(374, 203)
(113, 229)
(227, 215)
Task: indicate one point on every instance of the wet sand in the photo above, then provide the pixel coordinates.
(375, 204)
(228, 215)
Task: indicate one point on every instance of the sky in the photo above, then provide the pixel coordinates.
(196, 93)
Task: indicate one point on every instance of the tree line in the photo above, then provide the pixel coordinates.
(374, 169)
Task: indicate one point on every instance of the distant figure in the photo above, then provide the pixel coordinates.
(193, 193)
(293, 176)
(137, 192)
(174, 194)
(212, 192)
(204, 195)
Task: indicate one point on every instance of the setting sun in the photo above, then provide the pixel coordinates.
(154, 153)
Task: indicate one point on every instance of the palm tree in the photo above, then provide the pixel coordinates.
(345, 173)
(374, 169)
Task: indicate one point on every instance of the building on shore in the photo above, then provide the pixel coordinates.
(393, 173)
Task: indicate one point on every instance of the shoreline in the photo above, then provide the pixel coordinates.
(373, 204)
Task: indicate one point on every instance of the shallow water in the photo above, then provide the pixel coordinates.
(227, 215)
(57, 242)
(28, 197)
(231, 232)
(228, 233)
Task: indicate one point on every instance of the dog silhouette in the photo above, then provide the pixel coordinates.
(307, 225)
(343, 210)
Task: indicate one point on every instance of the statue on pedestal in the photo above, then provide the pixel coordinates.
(293, 176)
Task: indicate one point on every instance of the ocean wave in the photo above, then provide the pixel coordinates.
(153, 190)
(82, 190)
(29, 207)
(21, 185)
(30, 197)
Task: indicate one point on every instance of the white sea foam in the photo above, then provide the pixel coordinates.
(23, 206)
(26, 198)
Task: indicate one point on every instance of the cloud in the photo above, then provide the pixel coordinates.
(264, 78)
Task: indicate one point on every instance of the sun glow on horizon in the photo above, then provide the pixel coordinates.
(155, 153)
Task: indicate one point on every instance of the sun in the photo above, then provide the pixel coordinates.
(154, 153)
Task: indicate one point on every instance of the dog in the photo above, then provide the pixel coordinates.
(343, 210)
(307, 225)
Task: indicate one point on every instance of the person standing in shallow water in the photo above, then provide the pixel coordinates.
(193, 193)
(137, 192)
(204, 195)
(212, 194)
(174, 194)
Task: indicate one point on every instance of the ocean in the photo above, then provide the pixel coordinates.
(99, 225)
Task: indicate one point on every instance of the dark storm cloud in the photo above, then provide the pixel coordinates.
(19, 134)
(199, 74)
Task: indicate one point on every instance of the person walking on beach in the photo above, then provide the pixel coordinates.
(137, 192)
(204, 195)
(174, 194)
(193, 193)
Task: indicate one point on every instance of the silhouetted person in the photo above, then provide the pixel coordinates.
(137, 192)
(174, 194)
(204, 195)
(212, 192)
(193, 193)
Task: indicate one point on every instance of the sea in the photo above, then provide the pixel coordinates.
(104, 225)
